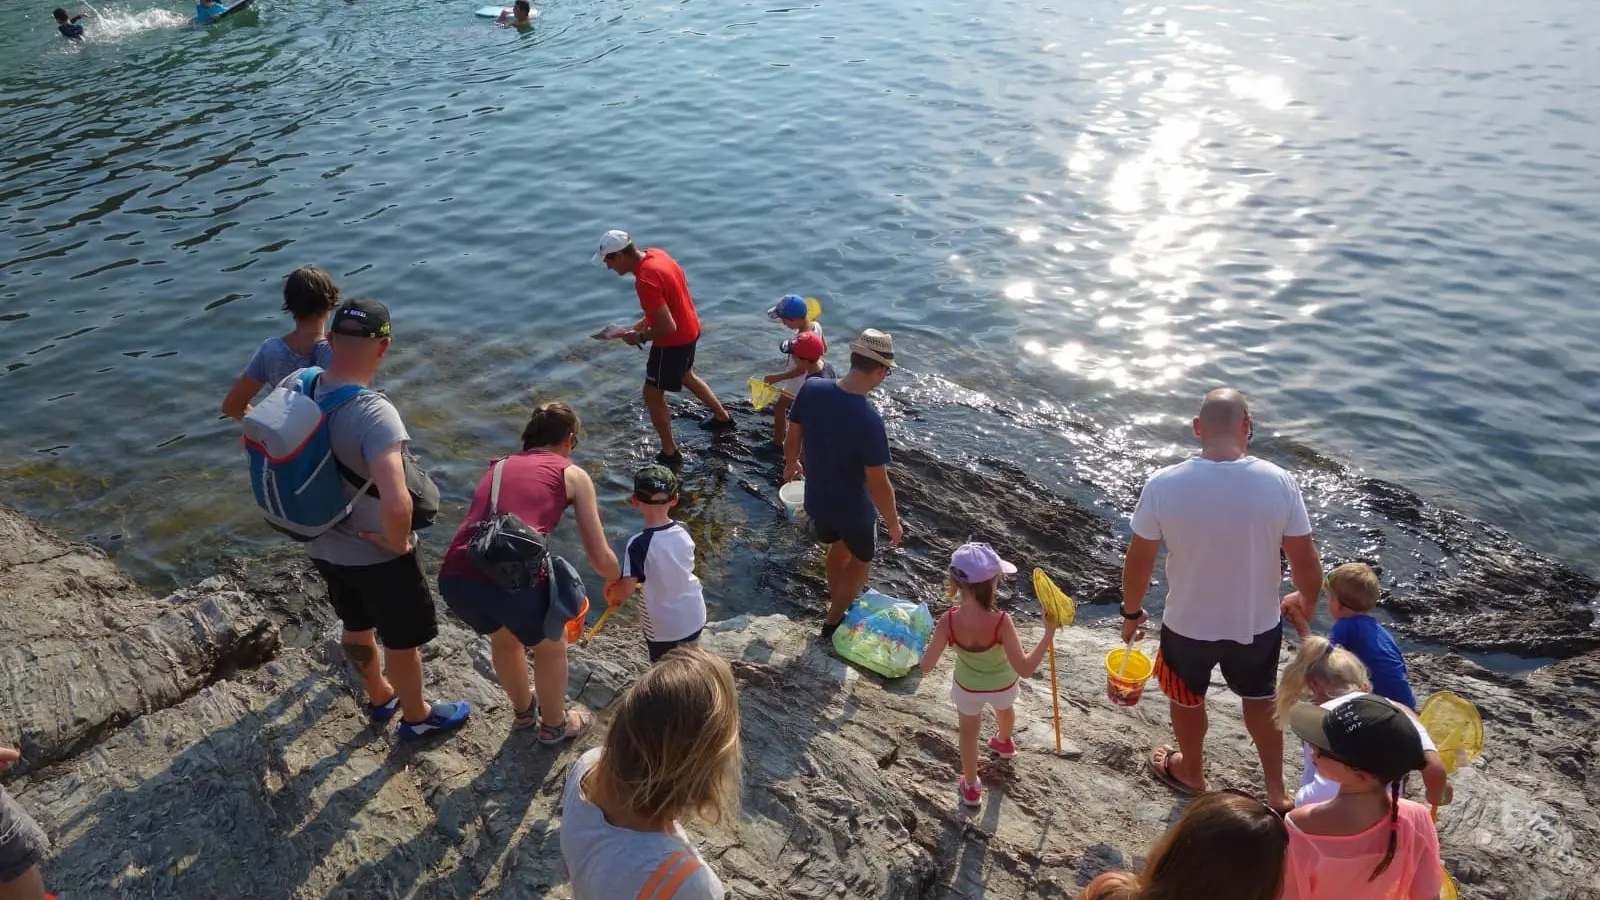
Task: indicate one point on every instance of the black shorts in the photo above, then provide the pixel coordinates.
(392, 597)
(659, 649)
(667, 366)
(22, 842)
(487, 608)
(1183, 666)
(861, 539)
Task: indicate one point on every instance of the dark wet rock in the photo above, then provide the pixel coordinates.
(1470, 586)
(946, 503)
(943, 502)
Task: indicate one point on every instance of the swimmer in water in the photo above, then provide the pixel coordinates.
(68, 25)
(519, 16)
(206, 10)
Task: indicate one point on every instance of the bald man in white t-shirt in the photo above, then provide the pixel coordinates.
(1223, 516)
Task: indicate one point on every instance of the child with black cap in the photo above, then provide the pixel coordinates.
(1366, 843)
(661, 560)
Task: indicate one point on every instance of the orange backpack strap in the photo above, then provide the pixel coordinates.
(670, 875)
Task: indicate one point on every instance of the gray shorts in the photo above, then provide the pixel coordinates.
(22, 842)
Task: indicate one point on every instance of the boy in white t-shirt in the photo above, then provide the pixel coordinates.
(661, 560)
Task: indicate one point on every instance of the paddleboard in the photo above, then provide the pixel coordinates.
(229, 11)
(495, 12)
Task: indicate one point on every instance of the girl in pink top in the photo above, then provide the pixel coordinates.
(1366, 843)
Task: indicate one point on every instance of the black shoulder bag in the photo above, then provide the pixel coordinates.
(506, 549)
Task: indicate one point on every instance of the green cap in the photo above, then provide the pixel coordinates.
(654, 484)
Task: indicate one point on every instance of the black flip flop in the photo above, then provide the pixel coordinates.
(1163, 773)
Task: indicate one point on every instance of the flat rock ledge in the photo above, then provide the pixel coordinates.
(211, 744)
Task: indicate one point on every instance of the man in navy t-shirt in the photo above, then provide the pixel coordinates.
(846, 468)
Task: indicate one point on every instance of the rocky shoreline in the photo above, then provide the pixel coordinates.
(211, 743)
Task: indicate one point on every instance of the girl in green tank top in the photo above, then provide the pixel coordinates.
(989, 657)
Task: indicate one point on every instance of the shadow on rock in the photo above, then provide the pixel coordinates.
(234, 792)
(477, 811)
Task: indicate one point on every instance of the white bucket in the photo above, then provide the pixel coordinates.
(793, 496)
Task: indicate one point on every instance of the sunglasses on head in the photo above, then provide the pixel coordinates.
(1249, 796)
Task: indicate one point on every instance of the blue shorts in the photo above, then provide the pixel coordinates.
(487, 609)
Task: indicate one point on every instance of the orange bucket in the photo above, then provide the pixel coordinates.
(575, 626)
(1127, 670)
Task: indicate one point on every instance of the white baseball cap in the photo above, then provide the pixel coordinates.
(611, 242)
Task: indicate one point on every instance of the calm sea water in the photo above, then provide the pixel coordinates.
(1380, 219)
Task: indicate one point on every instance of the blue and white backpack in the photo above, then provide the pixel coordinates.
(296, 480)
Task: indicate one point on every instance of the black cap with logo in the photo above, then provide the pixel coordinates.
(1368, 733)
(654, 484)
(360, 317)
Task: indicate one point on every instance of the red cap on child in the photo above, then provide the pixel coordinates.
(807, 346)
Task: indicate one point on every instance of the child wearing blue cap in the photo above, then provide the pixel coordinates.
(989, 657)
(795, 312)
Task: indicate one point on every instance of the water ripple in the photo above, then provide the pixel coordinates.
(1379, 219)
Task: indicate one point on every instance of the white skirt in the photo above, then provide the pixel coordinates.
(971, 703)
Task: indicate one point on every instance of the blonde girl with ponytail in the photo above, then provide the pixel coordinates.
(1333, 676)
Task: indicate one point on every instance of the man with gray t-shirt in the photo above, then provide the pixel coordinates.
(369, 560)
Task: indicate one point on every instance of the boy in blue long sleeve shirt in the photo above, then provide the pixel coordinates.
(1352, 594)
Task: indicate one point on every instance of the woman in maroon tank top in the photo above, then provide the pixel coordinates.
(538, 485)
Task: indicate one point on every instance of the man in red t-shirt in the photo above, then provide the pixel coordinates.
(671, 326)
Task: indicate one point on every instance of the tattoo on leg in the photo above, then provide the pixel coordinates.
(360, 655)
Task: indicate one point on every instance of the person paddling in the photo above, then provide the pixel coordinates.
(68, 25)
(519, 16)
(206, 10)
